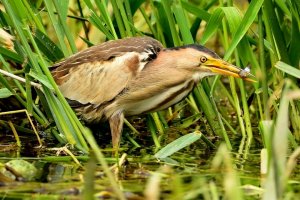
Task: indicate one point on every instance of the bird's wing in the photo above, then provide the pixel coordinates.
(99, 73)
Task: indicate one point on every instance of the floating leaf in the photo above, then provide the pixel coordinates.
(178, 144)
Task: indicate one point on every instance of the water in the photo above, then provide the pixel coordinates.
(199, 171)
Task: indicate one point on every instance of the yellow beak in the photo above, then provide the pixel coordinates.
(224, 68)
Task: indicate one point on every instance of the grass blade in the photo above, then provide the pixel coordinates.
(244, 26)
(288, 69)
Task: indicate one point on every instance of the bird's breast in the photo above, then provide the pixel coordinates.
(159, 101)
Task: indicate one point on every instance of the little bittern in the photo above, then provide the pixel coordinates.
(132, 76)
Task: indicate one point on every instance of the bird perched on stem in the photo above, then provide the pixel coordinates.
(133, 76)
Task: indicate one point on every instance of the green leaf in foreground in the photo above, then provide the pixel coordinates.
(41, 78)
(11, 55)
(49, 48)
(212, 25)
(178, 144)
(288, 69)
(4, 93)
(244, 26)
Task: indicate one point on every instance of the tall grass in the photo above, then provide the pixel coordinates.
(264, 35)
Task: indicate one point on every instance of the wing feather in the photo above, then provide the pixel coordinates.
(99, 82)
(99, 73)
(107, 51)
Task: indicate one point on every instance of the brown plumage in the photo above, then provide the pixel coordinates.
(133, 76)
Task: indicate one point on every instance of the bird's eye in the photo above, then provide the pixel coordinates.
(203, 59)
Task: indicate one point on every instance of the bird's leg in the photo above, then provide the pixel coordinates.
(116, 125)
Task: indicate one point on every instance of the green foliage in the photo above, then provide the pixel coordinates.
(4, 93)
(262, 34)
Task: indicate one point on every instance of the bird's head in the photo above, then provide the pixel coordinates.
(206, 62)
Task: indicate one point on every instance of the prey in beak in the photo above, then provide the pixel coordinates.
(222, 67)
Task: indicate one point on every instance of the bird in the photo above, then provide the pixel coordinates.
(133, 76)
